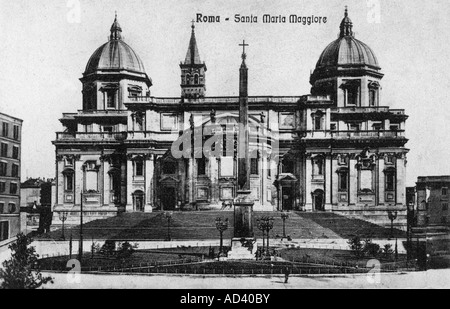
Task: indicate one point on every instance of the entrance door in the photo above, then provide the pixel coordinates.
(318, 200)
(169, 198)
(287, 198)
(138, 200)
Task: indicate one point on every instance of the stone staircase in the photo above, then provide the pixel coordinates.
(201, 225)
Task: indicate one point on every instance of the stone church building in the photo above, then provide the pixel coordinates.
(338, 149)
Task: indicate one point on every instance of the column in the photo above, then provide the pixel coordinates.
(149, 173)
(308, 176)
(328, 182)
(353, 181)
(214, 176)
(130, 172)
(105, 188)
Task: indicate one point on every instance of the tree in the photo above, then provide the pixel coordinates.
(371, 249)
(356, 246)
(387, 251)
(126, 250)
(22, 270)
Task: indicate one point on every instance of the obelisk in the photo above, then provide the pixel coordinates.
(243, 244)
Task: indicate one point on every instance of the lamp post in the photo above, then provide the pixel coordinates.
(392, 216)
(221, 226)
(269, 226)
(261, 226)
(63, 217)
(284, 216)
(168, 215)
(265, 224)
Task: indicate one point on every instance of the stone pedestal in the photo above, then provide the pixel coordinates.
(243, 244)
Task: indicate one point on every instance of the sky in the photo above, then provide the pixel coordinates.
(46, 45)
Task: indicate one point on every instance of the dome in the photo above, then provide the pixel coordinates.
(115, 55)
(347, 51)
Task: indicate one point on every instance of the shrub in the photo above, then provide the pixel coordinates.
(371, 249)
(109, 248)
(125, 250)
(356, 246)
(388, 251)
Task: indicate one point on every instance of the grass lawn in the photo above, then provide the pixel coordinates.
(196, 260)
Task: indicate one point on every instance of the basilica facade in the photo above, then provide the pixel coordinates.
(337, 149)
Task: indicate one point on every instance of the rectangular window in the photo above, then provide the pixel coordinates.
(111, 100)
(2, 187)
(352, 96)
(227, 166)
(390, 182)
(343, 181)
(16, 132)
(15, 170)
(13, 188)
(372, 97)
(139, 168)
(15, 154)
(4, 230)
(108, 129)
(3, 167)
(444, 206)
(5, 127)
(444, 191)
(69, 182)
(4, 150)
(254, 168)
(88, 128)
(201, 166)
(2, 207)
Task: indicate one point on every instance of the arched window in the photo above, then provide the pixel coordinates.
(196, 79)
(68, 180)
(188, 79)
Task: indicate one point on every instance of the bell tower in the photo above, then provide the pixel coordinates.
(192, 71)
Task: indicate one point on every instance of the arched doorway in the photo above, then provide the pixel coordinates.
(318, 200)
(168, 198)
(138, 201)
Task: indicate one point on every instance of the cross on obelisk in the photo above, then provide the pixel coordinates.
(243, 46)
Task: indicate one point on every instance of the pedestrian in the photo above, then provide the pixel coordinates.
(287, 271)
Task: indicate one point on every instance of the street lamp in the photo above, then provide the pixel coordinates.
(269, 226)
(63, 217)
(392, 216)
(265, 224)
(168, 215)
(261, 226)
(221, 226)
(284, 216)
